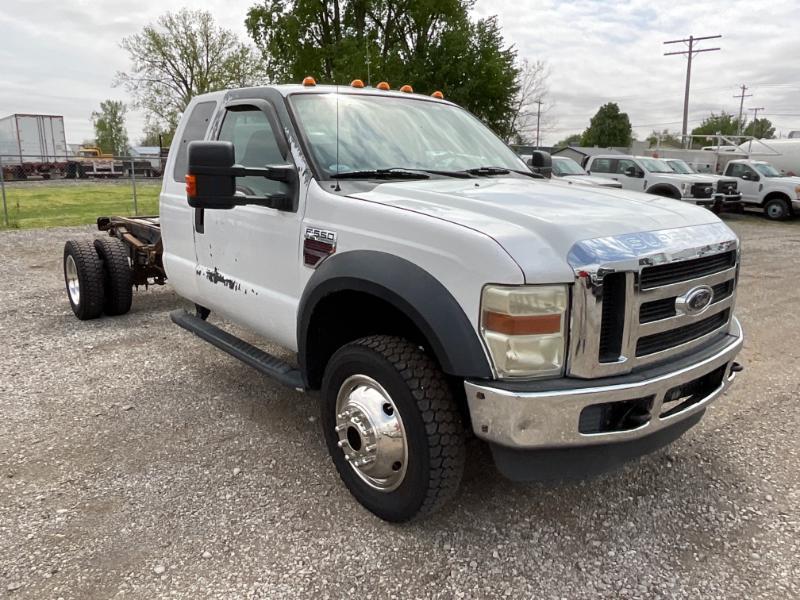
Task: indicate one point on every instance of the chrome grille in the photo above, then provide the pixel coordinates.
(629, 306)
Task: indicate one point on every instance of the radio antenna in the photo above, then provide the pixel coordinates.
(338, 187)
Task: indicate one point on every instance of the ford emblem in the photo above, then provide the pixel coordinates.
(695, 301)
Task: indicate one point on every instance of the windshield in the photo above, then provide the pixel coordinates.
(567, 166)
(767, 170)
(680, 167)
(387, 132)
(655, 166)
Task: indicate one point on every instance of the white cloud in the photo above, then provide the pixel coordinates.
(60, 58)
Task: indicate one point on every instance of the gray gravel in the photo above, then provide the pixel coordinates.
(138, 462)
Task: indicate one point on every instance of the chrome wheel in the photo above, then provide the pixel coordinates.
(371, 433)
(73, 284)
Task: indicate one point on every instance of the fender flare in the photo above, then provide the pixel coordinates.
(414, 292)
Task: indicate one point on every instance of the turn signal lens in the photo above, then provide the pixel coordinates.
(437, 94)
(309, 81)
(191, 186)
(383, 86)
(524, 329)
(407, 89)
(357, 83)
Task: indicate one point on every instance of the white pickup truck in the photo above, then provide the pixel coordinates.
(763, 186)
(429, 285)
(654, 176)
(727, 192)
(566, 169)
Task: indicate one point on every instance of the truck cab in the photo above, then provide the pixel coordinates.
(653, 176)
(566, 169)
(425, 284)
(726, 193)
(765, 187)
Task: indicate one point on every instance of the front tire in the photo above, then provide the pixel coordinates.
(777, 209)
(392, 427)
(83, 276)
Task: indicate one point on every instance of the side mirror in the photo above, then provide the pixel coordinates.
(631, 172)
(211, 179)
(541, 162)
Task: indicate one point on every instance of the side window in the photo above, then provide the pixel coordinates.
(601, 165)
(624, 164)
(255, 145)
(737, 170)
(195, 129)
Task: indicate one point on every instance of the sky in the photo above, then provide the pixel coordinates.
(61, 58)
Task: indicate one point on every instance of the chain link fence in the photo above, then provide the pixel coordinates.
(62, 191)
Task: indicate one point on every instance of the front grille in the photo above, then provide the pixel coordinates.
(665, 307)
(685, 270)
(675, 337)
(702, 190)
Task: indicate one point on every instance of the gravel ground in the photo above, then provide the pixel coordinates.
(136, 461)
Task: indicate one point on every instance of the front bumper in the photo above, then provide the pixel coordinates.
(528, 419)
(728, 198)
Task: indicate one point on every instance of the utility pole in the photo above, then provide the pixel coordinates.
(755, 124)
(538, 119)
(741, 97)
(690, 52)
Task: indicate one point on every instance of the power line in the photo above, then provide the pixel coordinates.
(689, 54)
(741, 97)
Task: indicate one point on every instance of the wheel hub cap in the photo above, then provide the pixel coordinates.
(371, 433)
(73, 285)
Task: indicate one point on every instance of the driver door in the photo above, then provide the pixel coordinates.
(624, 166)
(248, 256)
(749, 184)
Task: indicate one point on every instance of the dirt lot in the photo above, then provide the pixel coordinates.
(136, 461)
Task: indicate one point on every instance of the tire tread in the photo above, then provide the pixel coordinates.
(117, 275)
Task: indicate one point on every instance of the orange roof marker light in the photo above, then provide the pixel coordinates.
(309, 81)
(438, 95)
(357, 83)
(407, 89)
(383, 86)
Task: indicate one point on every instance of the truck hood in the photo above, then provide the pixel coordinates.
(590, 180)
(538, 221)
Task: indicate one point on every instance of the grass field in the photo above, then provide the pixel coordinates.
(45, 204)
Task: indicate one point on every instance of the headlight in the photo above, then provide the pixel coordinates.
(524, 328)
(684, 189)
(797, 191)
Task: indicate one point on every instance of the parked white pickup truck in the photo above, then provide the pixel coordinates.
(727, 193)
(762, 185)
(567, 169)
(653, 176)
(430, 284)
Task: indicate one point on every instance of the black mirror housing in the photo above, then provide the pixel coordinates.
(541, 162)
(211, 179)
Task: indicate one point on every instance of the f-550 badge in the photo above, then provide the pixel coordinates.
(318, 245)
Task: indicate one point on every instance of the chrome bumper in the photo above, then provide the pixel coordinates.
(549, 419)
(728, 197)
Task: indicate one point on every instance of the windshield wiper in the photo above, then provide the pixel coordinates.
(502, 171)
(381, 174)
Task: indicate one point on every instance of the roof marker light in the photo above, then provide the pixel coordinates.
(407, 89)
(309, 81)
(438, 95)
(383, 86)
(357, 83)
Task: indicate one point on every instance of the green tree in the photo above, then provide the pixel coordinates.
(181, 55)
(109, 127)
(723, 123)
(570, 140)
(429, 44)
(668, 139)
(760, 128)
(608, 127)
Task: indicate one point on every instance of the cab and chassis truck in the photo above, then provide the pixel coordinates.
(431, 286)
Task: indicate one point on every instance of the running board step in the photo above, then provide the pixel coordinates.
(247, 353)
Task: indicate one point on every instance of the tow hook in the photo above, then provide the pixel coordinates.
(736, 367)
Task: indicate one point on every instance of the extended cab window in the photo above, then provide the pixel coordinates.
(195, 130)
(602, 165)
(255, 145)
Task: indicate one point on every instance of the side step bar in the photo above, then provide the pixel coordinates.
(247, 353)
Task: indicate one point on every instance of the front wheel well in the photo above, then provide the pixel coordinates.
(777, 196)
(666, 191)
(346, 316)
